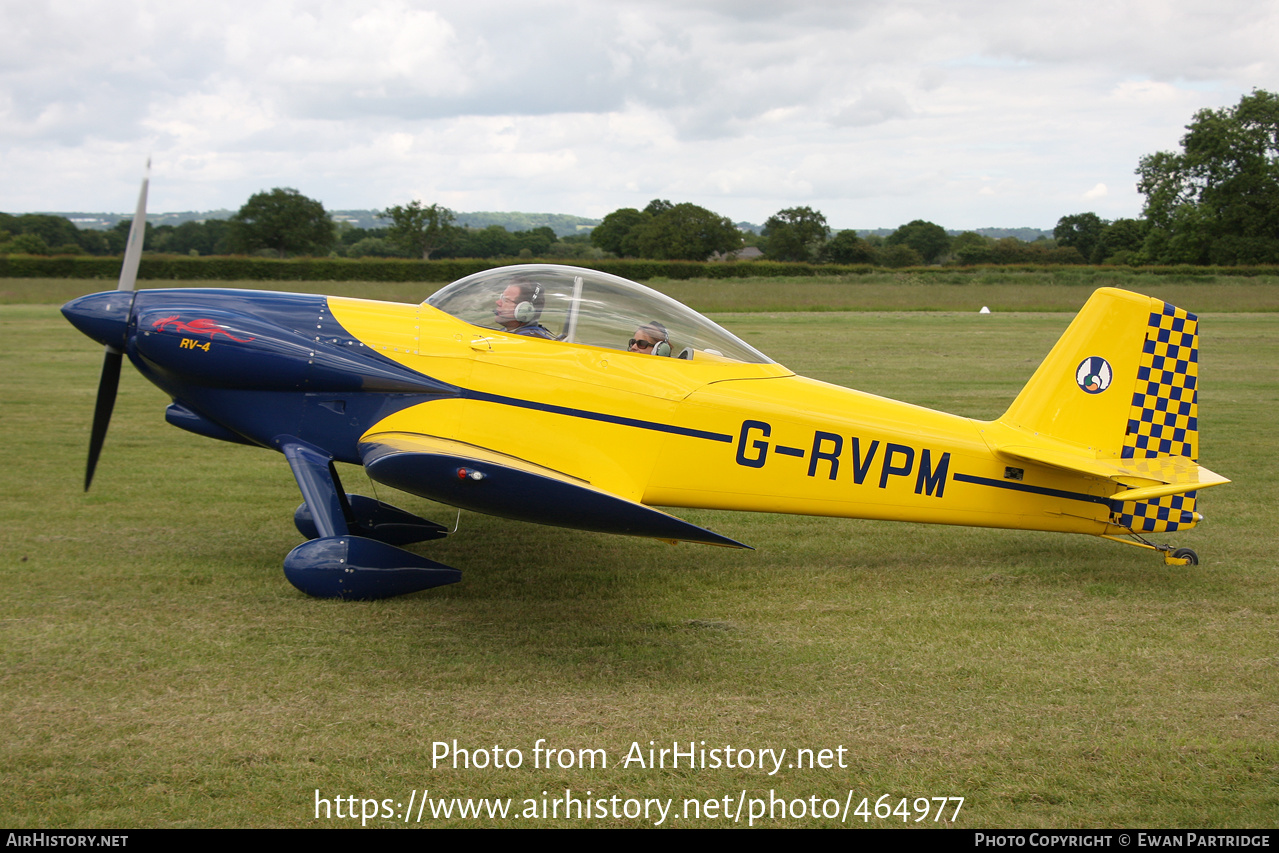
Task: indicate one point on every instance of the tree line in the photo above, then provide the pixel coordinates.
(283, 223)
(1216, 202)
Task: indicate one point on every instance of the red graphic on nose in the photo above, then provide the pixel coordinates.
(196, 327)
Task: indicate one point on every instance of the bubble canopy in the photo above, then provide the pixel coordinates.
(581, 306)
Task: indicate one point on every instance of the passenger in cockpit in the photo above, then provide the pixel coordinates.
(651, 338)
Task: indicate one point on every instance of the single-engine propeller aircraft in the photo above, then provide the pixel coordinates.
(576, 398)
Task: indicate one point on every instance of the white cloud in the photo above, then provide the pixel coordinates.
(874, 107)
(963, 113)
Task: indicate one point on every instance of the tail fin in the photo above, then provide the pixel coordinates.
(1121, 384)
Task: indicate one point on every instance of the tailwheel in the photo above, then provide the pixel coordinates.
(1178, 557)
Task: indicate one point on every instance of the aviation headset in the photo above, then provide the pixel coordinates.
(530, 309)
(662, 347)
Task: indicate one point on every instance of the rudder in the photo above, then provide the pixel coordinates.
(1164, 420)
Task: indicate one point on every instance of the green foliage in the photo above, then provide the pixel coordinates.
(795, 234)
(563, 224)
(118, 237)
(1010, 250)
(971, 248)
(53, 230)
(419, 230)
(284, 221)
(373, 247)
(847, 248)
(1217, 201)
(1186, 240)
(926, 238)
(686, 232)
(1122, 241)
(210, 237)
(43, 234)
(900, 255)
(613, 233)
(537, 241)
(1082, 232)
(491, 242)
(26, 244)
(242, 268)
(666, 231)
(566, 251)
(495, 242)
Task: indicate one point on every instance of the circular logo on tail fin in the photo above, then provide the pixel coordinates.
(1093, 375)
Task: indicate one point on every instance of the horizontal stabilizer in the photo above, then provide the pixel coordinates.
(493, 483)
(1151, 477)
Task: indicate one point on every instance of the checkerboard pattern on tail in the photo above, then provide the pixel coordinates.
(1164, 420)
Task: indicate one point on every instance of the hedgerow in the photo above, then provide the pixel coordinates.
(243, 268)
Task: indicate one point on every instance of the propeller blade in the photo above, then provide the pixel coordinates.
(109, 383)
(137, 233)
(107, 386)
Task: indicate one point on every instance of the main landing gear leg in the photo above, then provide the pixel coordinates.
(341, 563)
(373, 519)
(1172, 557)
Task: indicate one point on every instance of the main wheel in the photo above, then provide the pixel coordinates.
(1187, 554)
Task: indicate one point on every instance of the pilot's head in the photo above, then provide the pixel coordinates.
(520, 303)
(651, 338)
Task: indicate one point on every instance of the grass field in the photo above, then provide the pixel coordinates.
(159, 670)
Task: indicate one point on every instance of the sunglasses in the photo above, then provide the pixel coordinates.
(637, 342)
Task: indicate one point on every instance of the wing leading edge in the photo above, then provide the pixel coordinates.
(483, 480)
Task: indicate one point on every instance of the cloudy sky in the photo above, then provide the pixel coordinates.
(968, 114)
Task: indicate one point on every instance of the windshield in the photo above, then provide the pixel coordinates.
(588, 307)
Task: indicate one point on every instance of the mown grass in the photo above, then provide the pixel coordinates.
(159, 671)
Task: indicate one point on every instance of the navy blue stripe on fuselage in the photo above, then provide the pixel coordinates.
(1034, 490)
(595, 416)
(728, 439)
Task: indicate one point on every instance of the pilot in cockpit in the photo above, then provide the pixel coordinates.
(651, 338)
(520, 306)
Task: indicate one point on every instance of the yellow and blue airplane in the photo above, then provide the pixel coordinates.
(575, 398)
